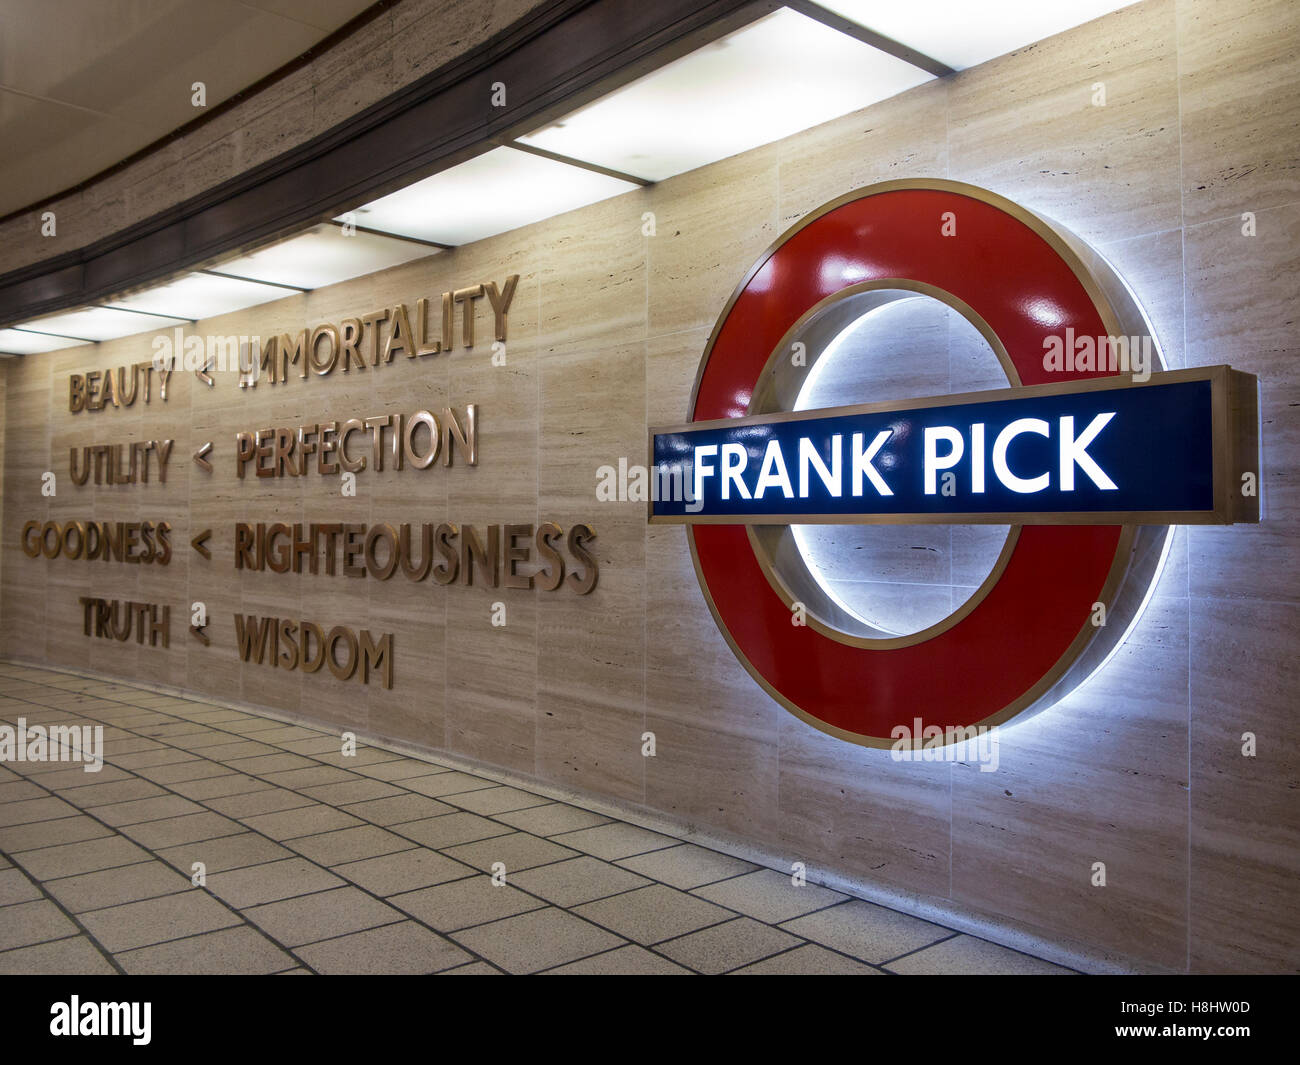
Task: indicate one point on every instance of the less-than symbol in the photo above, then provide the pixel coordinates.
(200, 461)
(198, 633)
(197, 543)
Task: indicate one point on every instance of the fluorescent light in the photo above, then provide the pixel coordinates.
(491, 193)
(198, 296)
(779, 75)
(101, 323)
(21, 342)
(962, 34)
(324, 255)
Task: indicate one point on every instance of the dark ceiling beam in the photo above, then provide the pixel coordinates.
(561, 56)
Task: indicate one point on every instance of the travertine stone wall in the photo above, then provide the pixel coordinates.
(1141, 769)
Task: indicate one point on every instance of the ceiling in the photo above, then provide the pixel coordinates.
(86, 83)
(792, 69)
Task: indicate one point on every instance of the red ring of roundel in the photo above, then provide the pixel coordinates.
(1025, 291)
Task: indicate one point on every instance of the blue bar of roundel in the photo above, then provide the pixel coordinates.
(1158, 450)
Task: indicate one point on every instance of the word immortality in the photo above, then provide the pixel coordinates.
(378, 337)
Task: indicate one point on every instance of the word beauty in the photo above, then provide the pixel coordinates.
(1088, 467)
(1100, 451)
(116, 387)
(378, 337)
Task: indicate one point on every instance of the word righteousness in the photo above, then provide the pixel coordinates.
(447, 552)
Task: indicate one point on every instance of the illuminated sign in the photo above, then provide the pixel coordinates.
(1090, 457)
(1107, 451)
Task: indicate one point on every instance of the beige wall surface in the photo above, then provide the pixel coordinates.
(1141, 769)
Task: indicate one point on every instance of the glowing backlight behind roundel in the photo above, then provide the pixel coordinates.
(1091, 456)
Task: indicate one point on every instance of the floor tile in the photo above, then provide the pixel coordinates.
(495, 800)
(399, 809)
(537, 940)
(623, 961)
(136, 810)
(254, 885)
(140, 924)
(263, 764)
(447, 830)
(399, 769)
(687, 866)
(615, 840)
(651, 914)
(577, 880)
(16, 887)
(230, 951)
(809, 960)
(320, 916)
(405, 871)
(768, 895)
(404, 949)
(268, 800)
(516, 852)
(727, 946)
(864, 930)
(51, 833)
(225, 852)
(73, 956)
(93, 795)
(218, 787)
(967, 955)
(462, 903)
(190, 828)
(349, 844)
(353, 791)
(551, 819)
(32, 810)
(309, 777)
(439, 784)
(303, 821)
(182, 772)
(112, 887)
(70, 859)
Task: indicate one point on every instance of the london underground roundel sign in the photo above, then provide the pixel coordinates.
(1090, 457)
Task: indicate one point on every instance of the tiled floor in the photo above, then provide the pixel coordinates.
(313, 861)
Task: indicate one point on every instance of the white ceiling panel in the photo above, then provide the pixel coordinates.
(492, 193)
(779, 75)
(324, 255)
(963, 34)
